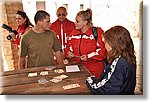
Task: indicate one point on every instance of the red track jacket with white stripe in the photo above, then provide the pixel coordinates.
(84, 44)
(68, 27)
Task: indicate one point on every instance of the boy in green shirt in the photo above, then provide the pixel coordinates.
(39, 44)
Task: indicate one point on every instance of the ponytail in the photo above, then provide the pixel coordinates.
(86, 15)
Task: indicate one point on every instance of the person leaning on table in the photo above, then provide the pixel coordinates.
(39, 43)
(119, 76)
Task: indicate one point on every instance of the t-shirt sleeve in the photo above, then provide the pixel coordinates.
(56, 45)
(23, 50)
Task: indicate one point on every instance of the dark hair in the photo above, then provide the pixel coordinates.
(40, 15)
(86, 15)
(119, 39)
(27, 22)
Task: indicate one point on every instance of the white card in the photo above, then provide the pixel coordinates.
(72, 68)
(44, 73)
(58, 71)
(32, 74)
(71, 86)
(55, 80)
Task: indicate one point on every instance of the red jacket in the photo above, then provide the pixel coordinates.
(68, 27)
(20, 31)
(84, 44)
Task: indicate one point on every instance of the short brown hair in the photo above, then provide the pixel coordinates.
(40, 15)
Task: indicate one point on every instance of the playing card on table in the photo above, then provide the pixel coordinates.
(58, 71)
(55, 80)
(42, 81)
(63, 76)
(44, 73)
(59, 78)
(50, 67)
(72, 68)
(32, 74)
(71, 86)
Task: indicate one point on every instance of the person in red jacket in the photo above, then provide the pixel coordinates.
(62, 26)
(24, 25)
(82, 46)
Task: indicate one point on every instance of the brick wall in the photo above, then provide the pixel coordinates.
(9, 50)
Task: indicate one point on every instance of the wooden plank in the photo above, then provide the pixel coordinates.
(24, 79)
(37, 69)
(18, 82)
(53, 88)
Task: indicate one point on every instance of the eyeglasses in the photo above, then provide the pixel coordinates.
(63, 14)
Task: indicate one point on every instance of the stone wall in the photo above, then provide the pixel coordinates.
(9, 51)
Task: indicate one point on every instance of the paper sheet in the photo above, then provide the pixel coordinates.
(72, 68)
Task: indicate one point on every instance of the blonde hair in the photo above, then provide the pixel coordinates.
(86, 15)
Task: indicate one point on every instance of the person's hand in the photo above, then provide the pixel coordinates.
(70, 54)
(13, 36)
(84, 58)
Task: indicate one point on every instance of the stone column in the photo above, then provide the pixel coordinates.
(10, 50)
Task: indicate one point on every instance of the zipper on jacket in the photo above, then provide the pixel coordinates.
(80, 46)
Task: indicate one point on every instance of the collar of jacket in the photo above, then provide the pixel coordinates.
(21, 26)
(65, 21)
(88, 32)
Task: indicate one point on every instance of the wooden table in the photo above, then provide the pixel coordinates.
(18, 82)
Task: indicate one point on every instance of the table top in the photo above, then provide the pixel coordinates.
(18, 82)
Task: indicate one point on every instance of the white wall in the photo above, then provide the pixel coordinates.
(106, 13)
(29, 7)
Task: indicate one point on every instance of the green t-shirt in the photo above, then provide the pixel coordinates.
(39, 47)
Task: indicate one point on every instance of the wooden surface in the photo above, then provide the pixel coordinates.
(18, 82)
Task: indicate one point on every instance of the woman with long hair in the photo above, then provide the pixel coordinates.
(24, 25)
(119, 76)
